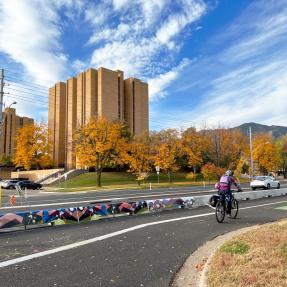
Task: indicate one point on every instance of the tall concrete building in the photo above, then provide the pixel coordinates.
(10, 125)
(57, 122)
(101, 93)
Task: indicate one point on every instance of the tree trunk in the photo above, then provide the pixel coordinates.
(99, 173)
(169, 177)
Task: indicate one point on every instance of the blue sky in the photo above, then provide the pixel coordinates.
(207, 62)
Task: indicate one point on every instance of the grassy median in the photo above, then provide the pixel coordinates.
(256, 258)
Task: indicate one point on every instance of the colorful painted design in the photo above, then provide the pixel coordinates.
(91, 212)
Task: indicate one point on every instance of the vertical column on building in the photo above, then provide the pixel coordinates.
(141, 107)
(51, 120)
(59, 124)
(9, 131)
(11, 124)
(91, 94)
(108, 94)
(81, 100)
(129, 104)
(136, 105)
(120, 95)
(71, 120)
(3, 135)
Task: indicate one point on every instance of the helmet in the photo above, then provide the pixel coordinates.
(229, 173)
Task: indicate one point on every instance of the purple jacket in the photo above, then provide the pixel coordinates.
(226, 183)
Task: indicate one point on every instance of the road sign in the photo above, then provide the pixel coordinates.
(157, 168)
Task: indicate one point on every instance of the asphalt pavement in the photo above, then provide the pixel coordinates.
(145, 250)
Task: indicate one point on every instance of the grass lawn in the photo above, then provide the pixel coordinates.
(255, 258)
(113, 180)
(123, 179)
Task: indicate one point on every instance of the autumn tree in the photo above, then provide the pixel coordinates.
(210, 171)
(32, 147)
(264, 153)
(166, 150)
(97, 143)
(281, 149)
(195, 147)
(227, 147)
(138, 157)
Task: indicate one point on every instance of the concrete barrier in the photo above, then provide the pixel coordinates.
(102, 210)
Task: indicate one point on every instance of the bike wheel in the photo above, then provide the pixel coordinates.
(234, 208)
(220, 211)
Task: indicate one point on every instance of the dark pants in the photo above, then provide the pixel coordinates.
(227, 195)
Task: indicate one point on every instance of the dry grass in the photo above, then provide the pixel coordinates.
(260, 262)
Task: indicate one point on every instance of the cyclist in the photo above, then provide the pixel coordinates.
(224, 187)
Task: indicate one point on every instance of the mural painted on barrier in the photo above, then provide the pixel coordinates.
(92, 212)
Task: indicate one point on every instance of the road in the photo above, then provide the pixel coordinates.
(144, 250)
(41, 199)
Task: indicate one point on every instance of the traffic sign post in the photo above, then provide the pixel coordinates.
(157, 168)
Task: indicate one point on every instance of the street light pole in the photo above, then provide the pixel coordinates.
(1, 99)
(251, 155)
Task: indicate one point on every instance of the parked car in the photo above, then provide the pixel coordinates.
(29, 184)
(265, 182)
(9, 184)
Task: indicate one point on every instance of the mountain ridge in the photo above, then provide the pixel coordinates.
(274, 130)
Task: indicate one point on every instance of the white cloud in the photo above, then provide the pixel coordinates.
(97, 14)
(119, 4)
(250, 81)
(32, 40)
(176, 23)
(117, 34)
(158, 85)
(135, 43)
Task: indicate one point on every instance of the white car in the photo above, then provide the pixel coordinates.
(265, 182)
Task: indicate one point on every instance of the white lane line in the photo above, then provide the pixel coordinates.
(93, 199)
(192, 193)
(88, 200)
(113, 234)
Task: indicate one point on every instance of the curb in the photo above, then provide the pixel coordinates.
(194, 272)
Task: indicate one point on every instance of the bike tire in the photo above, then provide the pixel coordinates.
(234, 208)
(220, 211)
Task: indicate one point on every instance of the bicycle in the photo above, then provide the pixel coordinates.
(221, 207)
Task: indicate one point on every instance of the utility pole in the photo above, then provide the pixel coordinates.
(1, 99)
(251, 155)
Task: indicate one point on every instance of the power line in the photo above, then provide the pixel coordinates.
(28, 83)
(19, 74)
(25, 92)
(27, 100)
(25, 87)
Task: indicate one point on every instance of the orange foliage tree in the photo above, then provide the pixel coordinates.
(138, 157)
(32, 147)
(210, 171)
(98, 143)
(166, 149)
(281, 148)
(227, 147)
(196, 147)
(264, 153)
